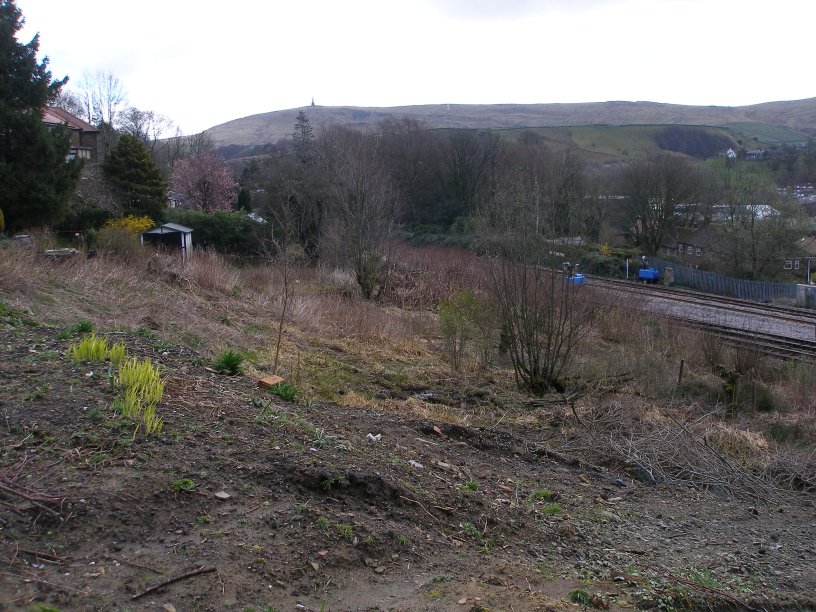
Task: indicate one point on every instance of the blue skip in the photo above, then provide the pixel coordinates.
(649, 275)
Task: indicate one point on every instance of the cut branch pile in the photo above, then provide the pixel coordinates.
(664, 450)
(12, 490)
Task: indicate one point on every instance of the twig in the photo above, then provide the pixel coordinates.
(19, 444)
(41, 581)
(30, 495)
(575, 414)
(427, 441)
(413, 501)
(132, 564)
(496, 424)
(41, 555)
(169, 581)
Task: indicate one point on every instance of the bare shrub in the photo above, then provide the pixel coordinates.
(797, 389)
(746, 361)
(424, 276)
(542, 319)
(710, 349)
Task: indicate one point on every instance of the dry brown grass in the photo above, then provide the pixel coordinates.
(341, 348)
(210, 270)
(749, 448)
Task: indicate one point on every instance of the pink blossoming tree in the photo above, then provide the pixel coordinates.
(204, 182)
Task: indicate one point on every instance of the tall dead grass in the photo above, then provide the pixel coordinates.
(18, 273)
(211, 270)
(338, 316)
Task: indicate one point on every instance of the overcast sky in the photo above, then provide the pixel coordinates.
(202, 62)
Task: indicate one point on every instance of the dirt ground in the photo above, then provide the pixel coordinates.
(283, 505)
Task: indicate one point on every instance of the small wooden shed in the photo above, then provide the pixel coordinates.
(171, 236)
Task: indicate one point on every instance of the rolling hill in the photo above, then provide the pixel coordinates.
(790, 118)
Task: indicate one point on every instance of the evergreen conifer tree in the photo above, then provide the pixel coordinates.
(131, 171)
(36, 179)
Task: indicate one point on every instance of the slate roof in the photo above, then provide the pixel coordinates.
(58, 116)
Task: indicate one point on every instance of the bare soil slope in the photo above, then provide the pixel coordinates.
(430, 516)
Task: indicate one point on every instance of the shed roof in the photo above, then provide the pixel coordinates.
(169, 228)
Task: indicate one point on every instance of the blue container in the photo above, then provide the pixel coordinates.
(576, 279)
(649, 274)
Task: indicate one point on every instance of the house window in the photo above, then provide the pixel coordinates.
(699, 251)
(690, 250)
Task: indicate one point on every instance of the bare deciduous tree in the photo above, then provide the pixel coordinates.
(362, 206)
(470, 162)
(146, 126)
(660, 190)
(543, 317)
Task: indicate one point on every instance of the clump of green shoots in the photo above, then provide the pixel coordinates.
(141, 381)
(91, 348)
(143, 389)
(285, 391)
(117, 353)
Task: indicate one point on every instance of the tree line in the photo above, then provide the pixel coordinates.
(342, 195)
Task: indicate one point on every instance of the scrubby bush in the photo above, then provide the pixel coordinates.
(466, 322)
(225, 232)
(118, 242)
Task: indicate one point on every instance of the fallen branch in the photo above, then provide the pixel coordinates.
(572, 461)
(169, 581)
(25, 577)
(413, 501)
(40, 555)
(37, 500)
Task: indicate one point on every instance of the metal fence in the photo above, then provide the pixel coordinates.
(712, 282)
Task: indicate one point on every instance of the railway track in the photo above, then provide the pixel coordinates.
(778, 331)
